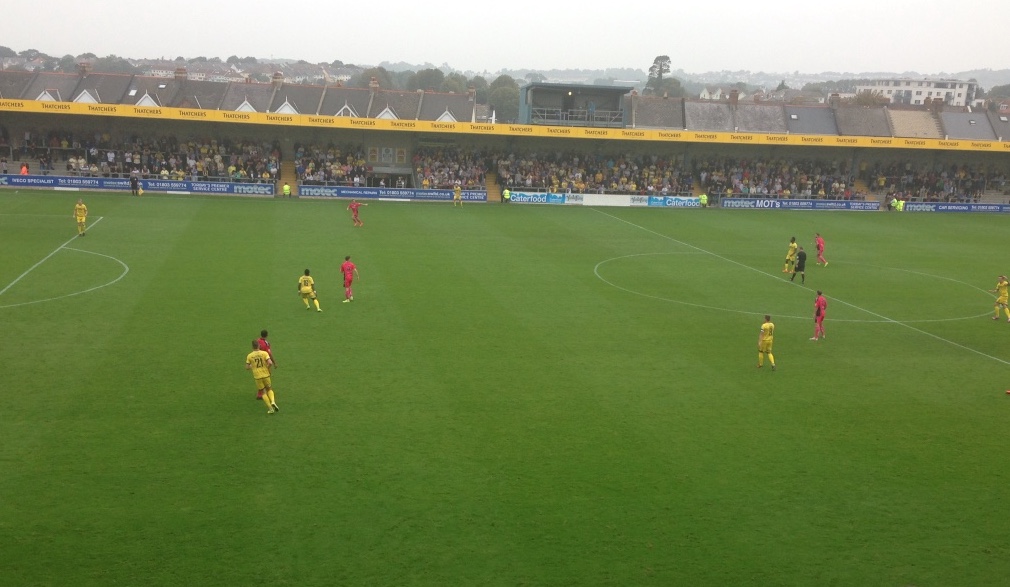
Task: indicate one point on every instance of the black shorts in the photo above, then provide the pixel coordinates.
(801, 267)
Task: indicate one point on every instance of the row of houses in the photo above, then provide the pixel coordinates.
(212, 70)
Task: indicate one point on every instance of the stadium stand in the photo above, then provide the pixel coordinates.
(594, 173)
(101, 155)
(765, 118)
(811, 120)
(46, 86)
(447, 107)
(808, 178)
(967, 125)
(14, 83)
(331, 165)
(339, 101)
(102, 88)
(442, 167)
(200, 94)
(1000, 124)
(711, 116)
(936, 182)
(387, 104)
(859, 121)
(919, 124)
(654, 112)
(297, 99)
(152, 91)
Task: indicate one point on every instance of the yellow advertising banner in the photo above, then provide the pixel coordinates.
(517, 130)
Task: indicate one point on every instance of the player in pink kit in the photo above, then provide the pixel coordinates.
(819, 241)
(350, 274)
(353, 207)
(820, 309)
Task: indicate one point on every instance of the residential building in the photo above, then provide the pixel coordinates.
(915, 91)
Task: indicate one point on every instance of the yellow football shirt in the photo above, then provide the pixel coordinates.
(80, 210)
(305, 284)
(767, 332)
(1001, 289)
(258, 362)
(792, 250)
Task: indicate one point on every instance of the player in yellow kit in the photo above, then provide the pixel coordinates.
(259, 362)
(457, 194)
(307, 289)
(765, 340)
(1001, 297)
(790, 256)
(81, 214)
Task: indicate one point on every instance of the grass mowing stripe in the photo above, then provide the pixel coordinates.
(840, 301)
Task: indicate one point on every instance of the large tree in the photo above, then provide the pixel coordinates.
(363, 79)
(480, 84)
(670, 87)
(401, 79)
(454, 83)
(7, 52)
(999, 92)
(868, 98)
(504, 81)
(67, 64)
(660, 67)
(426, 79)
(114, 64)
(504, 100)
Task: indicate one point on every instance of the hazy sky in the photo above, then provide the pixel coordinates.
(928, 36)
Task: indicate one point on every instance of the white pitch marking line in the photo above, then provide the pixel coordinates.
(596, 271)
(44, 259)
(843, 302)
(126, 269)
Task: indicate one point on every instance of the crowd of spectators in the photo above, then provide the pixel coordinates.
(579, 172)
(150, 157)
(444, 167)
(777, 178)
(100, 154)
(332, 165)
(934, 183)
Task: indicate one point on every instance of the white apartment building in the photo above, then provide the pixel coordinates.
(915, 91)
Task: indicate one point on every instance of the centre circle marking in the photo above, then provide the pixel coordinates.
(126, 269)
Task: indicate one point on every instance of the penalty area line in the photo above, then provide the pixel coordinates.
(840, 301)
(44, 259)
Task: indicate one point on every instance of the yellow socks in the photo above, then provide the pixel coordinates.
(316, 302)
(266, 400)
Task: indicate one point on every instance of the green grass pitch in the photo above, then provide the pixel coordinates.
(518, 395)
